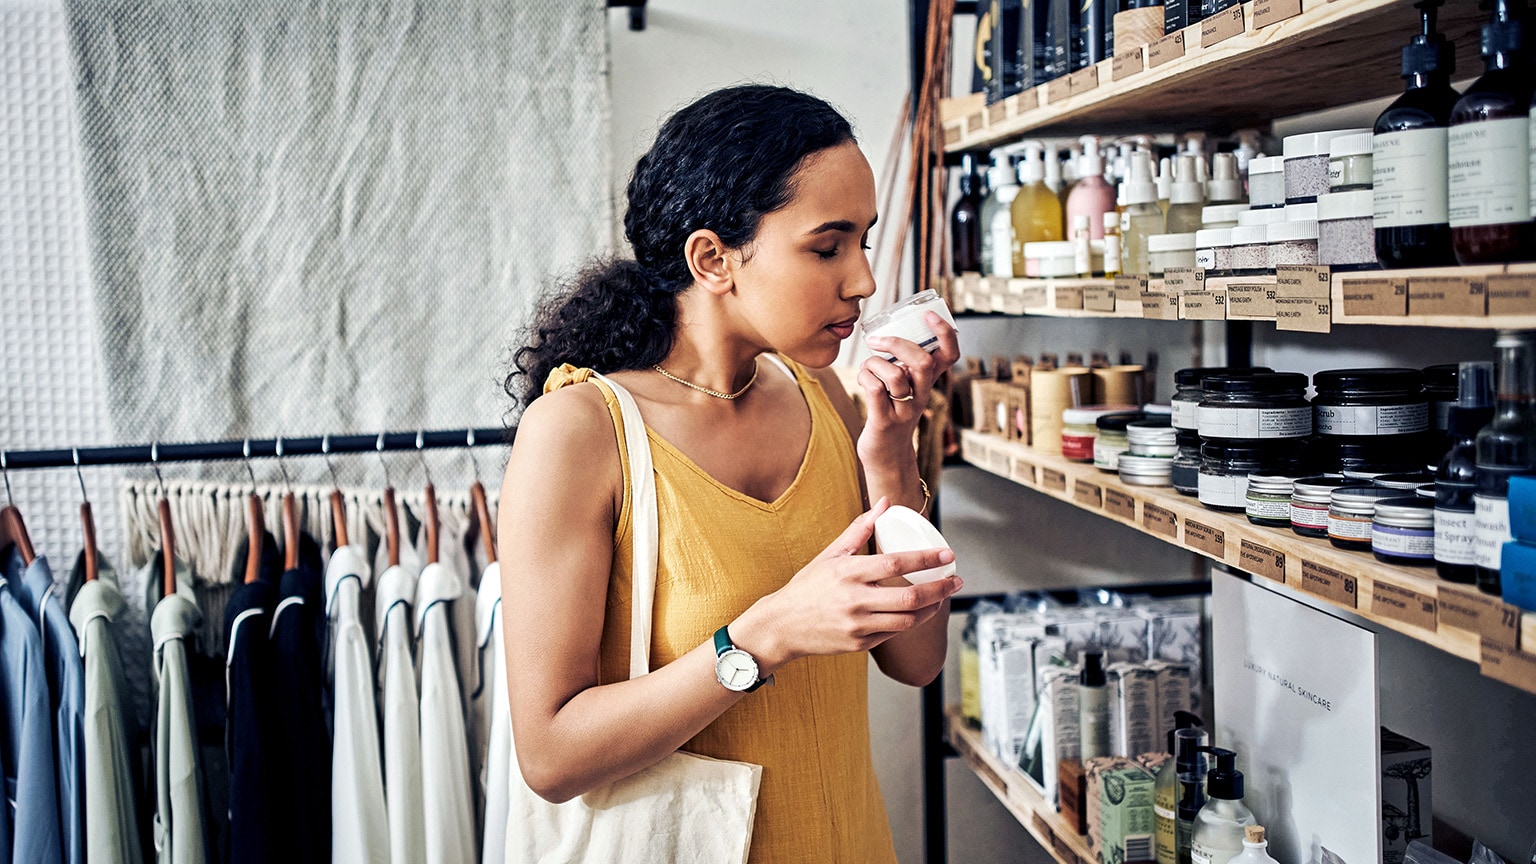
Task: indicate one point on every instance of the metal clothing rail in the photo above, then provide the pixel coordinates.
(253, 448)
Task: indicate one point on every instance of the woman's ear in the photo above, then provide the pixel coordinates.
(709, 260)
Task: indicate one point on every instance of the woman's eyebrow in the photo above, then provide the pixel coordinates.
(837, 225)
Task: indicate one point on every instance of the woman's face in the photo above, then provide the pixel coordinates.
(805, 273)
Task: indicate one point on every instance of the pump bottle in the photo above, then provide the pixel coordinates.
(1456, 476)
(1506, 448)
(1036, 211)
(1186, 198)
(1184, 743)
(1093, 707)
(1091, 196)
(1142, 218)
(964, 227)
(1489, 140)
(997, 218)
(1226, 183)
(1410, 161)
(1053, 178)
(1164, 184)
(1218, 836)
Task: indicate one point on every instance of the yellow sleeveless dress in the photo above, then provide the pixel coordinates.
(720, 551)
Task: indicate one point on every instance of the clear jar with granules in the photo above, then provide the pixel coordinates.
(1292, 243)
(1213, 251)
(1266, 182)
(1346, 234)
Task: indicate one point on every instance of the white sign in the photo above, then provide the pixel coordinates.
(1296, 698)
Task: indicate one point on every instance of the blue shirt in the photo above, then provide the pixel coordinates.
(28, 746)
(43, 601)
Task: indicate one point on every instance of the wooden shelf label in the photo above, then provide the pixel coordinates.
(1035, 296)
(1120, 504)
(952, 134)
(1058, 89)
(1329, 584)
(1052, 479)
(1159, 307)
(1303, 314)
(1267, 12)
(1515, 668)
(1084, 79)
(974, 123)
(1130, 287)
(1179, 279)
(1387, 296)
(1099, 299)
(1203, 305)
(1403, 604)
(1479, 613)
(1222, 26)
(1448, 295)
(1512, 295)
(1204, 538)
(1251, 301)
(1261, 560)
(1023, 472)
(997, 112)
(1159, 520)
(1088, 494)
(1000, 462)
(1068, 297)
(1126, 64)
(1166, 50)
(1028, 100)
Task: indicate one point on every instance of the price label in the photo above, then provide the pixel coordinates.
(1203, 538)
(997, 112)
(1376, 296)
(1088, 494)
(1403, 604)
(1084, 79)
(1159, 307)
(1023, 472)
(1130, 287)
(1029, 100)
(1052, 479)
(1177, 279)
(1068, 297)
(1448, 295)
(1000, 463)
(1120, 504)
(952, 134)
(1099, 299)
(1512, 295)
(1329, 584)
(1251, 301)
(1222, 26)
(1203, 305)
(1303, 314)
(1058, 90)
(1166, 50)
(1159, 520)
(1267, 12)
(1126, 64)
(1479, 613)
(1303, 280)
(1261, 560)
(1035, 296)
(1515, 668)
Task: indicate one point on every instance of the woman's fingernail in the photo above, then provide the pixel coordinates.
(946, 556)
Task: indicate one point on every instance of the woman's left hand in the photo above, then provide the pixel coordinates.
(896, 393)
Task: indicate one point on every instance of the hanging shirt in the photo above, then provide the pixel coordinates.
(450, 808)
(498, 753)
(31, 790)
(360, 827)
(180, 832)
(250, 735)
(111, 810)
(402, 727)
(302, 760)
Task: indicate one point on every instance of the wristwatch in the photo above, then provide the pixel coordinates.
(735, 669)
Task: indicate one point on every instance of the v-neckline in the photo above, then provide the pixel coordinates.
(770, 506)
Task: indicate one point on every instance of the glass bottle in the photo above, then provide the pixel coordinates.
(1112, 245)
(965, 220)
(1091, 195)
(1186, 197)
(1412, 219)
(1036, 210)
(1456, 477)
(1218, 830)
(1142, 217)
(1488, 148)
(997, 219)
(1506, 448)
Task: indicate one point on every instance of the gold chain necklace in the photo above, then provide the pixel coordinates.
(705, 390)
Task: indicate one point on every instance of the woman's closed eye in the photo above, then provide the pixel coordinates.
(827, 254)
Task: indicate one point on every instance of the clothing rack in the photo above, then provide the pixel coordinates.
(253, 448)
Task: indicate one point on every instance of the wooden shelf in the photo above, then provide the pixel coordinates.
(1022, 800)
(1456, 619)
(1333, 53)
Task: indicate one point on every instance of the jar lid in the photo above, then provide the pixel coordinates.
(1192, 376)
(1248, 235)
(1386, 380)
(1222, 212)
(1354, 204)
(1261, 217)
(1146, 466)
(1285, 232)
(1355, 144)
(1443, 378)
(1088, 415)
(1362, 496)
(1050, 249)
(1260, 383)
(1425, 491)
(1314, 143)
(1411, 511)
(1265, 165)
(1117, 422)
(1404, 482)
(1321, 483)
(1155, 411)
(1212, 238)
(1274, 483)
(1170, 242)
(1300, 212)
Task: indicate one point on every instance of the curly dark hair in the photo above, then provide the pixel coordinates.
(721, 164)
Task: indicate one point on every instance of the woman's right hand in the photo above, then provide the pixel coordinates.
(844, 601)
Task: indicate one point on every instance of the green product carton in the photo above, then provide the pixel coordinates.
(1126, 820)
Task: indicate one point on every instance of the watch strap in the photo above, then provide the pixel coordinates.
(723, 644)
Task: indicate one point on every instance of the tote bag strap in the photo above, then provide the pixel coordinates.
(644, 529)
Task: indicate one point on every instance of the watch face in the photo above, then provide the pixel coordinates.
(736, 670)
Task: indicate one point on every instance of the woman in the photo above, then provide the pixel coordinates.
(747, 219)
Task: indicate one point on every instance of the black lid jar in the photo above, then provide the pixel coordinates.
(1375, 402)
(1441, 391)
(1187, 385)
(1226, 465)
(1255, 407)
(1383, 454)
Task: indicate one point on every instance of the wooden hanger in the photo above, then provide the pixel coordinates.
(391, 517)
(167, 530)
(291, 535)
(480, 505)
(13, 529)
(256, 525)
(338, 503)
(434, 524)
(87, 526)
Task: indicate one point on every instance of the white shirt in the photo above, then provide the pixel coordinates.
(179, 830)
(450, 823)
(498, 755)
(402, 728)
(359, 820)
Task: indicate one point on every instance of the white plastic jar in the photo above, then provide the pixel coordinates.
(1166, 251)
(1266, 182)
(1213, 251)
(1292, 242)
(1050, 258)
(1306, 163)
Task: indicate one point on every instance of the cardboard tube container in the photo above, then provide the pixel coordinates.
(1051, 392)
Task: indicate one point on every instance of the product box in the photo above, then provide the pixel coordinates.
(1120, 633)
(1007, 50)
(1173, 694)
(1132, 709)
(1073, 782)
(1039, 12)
(1094, 795)
(1064, 15)
(1518, 568)
(1060, 738)
(1126, 817)
(1406, 814)
(1178, 14)
(1005, 657)
(1522, 508)
(1175, 632)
